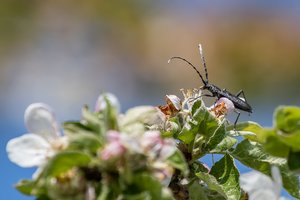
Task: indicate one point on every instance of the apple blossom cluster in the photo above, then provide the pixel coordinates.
(107, 148)
(153, 152)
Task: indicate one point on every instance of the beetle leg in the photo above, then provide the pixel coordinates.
(241, 92)
(237, 118)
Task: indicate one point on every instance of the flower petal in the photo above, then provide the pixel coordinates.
(277, 179)
(229, 104)
(258, 186)
(113, 136)
(29, 150)
(174, 102)
(101, 102)
(168, 148)
(113, 150)
(255, 180)
(40, 120)
(151, 139)
(163, 172)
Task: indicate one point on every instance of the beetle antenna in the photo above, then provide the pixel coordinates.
(203, 61)
(189, 63)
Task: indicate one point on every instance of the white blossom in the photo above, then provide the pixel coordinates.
(42, 141)
(260, 186)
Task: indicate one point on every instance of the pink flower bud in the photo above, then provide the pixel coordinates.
(151, 141)
(112, 150)
(113, 136)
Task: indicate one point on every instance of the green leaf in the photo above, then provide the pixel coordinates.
(202, 122)
(294, 161)
(85, 142)
(148, 115)
(226, 144)
(223, 178)
(277, 140)
(110, 115)
(177, 161)
(276, 147)
(209, 123)
(144, 182)
(272, 142)
(145, 195)
(43, 197)
(94, 121)
(137, 119)
(141, 196)
(74, 127)
(250, 130)
(174, 128)
(105, 190)
(216, 138)
(287, 118)
(289, 139)
(211, 182)
(196, 105)
(26, 186)
(191, 127)
(187, 134)
(287, 126)
(227, 175)
(202, 132)
(196, 191)
(33, 187)
(290, 182)
(198, 166)
(64, 161)
(246, 126)
(254, 156)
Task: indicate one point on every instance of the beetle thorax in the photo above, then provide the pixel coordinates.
(212, 88)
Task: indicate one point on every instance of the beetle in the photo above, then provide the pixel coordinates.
(239, 103)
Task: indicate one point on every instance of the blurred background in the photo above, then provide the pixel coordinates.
(65, 53)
